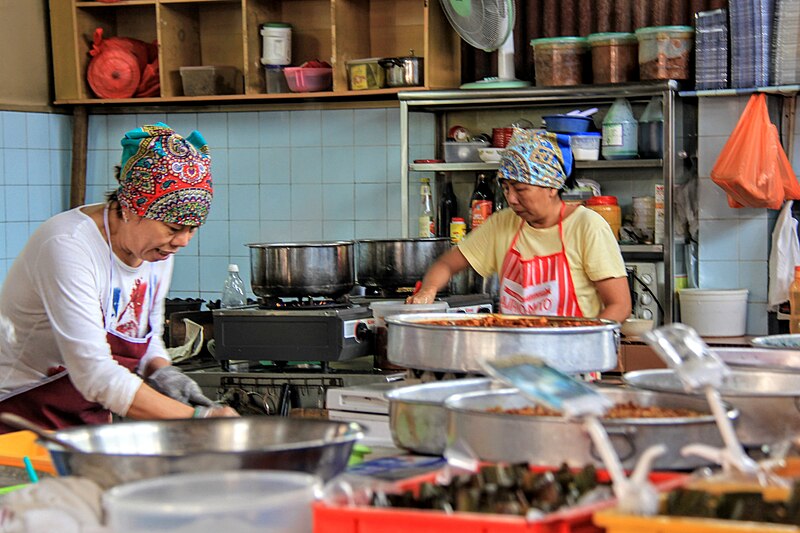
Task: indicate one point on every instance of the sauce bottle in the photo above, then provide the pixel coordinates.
(482, 202)
(426, 226)
(448, 209)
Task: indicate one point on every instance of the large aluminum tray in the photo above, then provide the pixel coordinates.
(768, 400)
(415, 344)
(762, 357)
(417, 416)
(551, 441)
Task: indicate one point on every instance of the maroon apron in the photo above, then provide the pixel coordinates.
(54, 402)
(541, 285)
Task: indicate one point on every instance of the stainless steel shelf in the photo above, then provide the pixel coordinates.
(466, 167)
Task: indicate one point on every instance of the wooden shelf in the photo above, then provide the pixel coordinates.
(227, 33)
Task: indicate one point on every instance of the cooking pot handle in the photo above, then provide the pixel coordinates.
(615, 435)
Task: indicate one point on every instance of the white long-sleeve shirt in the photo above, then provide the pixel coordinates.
(55, 297)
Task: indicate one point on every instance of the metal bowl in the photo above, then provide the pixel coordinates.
(129, 451)
(417, 416)
(768, 400)
(554, 440)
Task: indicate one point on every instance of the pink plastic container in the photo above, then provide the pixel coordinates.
(307, 80)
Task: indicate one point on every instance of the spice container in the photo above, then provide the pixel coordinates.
(559, 60)
(365, 74)
(585, 146)
(614, 57)
(664, 52)
(607, 207)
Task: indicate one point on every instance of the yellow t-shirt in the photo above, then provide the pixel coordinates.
(592, 250)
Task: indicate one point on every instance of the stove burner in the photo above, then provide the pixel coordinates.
(304, 302)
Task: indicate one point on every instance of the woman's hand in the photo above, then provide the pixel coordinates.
(422, 296)
(217, 411)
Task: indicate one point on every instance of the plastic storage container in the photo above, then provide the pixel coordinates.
(559, 60)
(244, 501)
(715, 313)
(585, 146)
(455, 152)
(664, 52)
(567, 123)
(608, 208)
(275, 80)
(308, 80)
(16, 445)
(276, 47)
(614, 57)
(620, 132)
(384, 308)
(364, 74)
(210, 80)
(651, 130)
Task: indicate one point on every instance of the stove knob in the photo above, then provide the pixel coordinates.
(647, 314)
(647, 278)
(363, 332)
(646, 299)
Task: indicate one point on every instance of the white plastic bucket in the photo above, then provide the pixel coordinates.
(715, 312)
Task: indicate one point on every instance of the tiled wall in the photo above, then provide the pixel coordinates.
(278, 176)
(34, 176)
(733, 243)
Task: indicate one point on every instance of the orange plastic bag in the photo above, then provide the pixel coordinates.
(752, 167)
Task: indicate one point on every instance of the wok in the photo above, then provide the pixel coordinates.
(112, 454)
(302, 269)
(395, 263)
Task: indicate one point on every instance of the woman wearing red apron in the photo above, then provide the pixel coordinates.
(83, 302)
(551, 259)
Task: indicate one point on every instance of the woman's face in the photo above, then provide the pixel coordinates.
(151, 240)
(532, 203)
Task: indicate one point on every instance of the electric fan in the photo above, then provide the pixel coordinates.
(487, 25)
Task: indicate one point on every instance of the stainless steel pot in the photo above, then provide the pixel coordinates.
(128, 451)
(768, 400)
(302, 269)
(393, 263)
(551, 441)
(403, 71)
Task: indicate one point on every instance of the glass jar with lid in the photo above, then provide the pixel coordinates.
(608, 208)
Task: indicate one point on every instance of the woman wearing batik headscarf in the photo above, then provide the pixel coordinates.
(83, 303)
(552, 259)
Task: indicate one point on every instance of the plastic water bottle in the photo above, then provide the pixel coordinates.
(233, 294)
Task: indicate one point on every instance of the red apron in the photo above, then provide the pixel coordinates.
(541, 285)
(54, 402)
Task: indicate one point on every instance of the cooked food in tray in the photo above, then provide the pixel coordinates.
(620, 410)
(514, 321)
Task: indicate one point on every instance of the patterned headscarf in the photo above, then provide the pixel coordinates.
(164, 176)
(537, 158)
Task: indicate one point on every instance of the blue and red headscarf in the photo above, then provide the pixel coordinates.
(538, 158)
(164, 176)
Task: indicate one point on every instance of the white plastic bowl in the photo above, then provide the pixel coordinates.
(490, 154)
(245, 501)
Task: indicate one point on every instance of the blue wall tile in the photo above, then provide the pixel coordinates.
(274, 129)
(15, 130)
(243, 130)
(182, 123)
(276, 202)
(719, 275)
(306, 202)
(38, 130)
(338, 202)
(39, 167)
(370, 164)
(370, 128)
(306, 164)
(371, 229)
(306, 128)
(242, 233)
(39, 203)
(371, 201)
(244, 202)
(306, 230)
(186, 275)
(338, 127)
(17, 234)
(214, 128)
(97, 137)
(243, 165)
(275, 165)
(276, 231)
(16, 166)
(213, 238)
(338, 164)
(336, 230)
(718, 241)
(116, 128)
(17, 203)
(220, 205)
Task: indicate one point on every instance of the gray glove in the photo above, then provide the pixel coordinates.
(170, 381)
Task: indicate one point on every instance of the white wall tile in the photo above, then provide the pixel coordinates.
(718, 116)
(757, 319)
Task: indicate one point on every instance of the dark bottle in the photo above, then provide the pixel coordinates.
(482, 202)
(448, 208)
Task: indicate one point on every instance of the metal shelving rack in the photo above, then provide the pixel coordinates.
(445, 103)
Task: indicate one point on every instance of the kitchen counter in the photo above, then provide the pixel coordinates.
(636, 355)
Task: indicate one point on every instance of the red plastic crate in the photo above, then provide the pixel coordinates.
(342, 519)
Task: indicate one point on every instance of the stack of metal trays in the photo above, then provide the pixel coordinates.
(415, 343)
(768, 400)
(479, 428)
(763, 358)
(417, 416)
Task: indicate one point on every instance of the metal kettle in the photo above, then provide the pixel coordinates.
(403, 71)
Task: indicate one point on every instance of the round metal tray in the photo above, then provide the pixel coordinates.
(414, 343)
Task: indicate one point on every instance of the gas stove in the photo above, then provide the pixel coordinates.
(293, 330)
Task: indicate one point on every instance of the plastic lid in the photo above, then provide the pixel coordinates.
(556, 41)
(664, 29)
(233, 267)
(611, 37)
(585, 134)
(276, 25)
(364, 61)
(602, 200)
(459, 219)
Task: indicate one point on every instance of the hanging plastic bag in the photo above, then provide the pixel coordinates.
(783, 257)
(752, 167)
